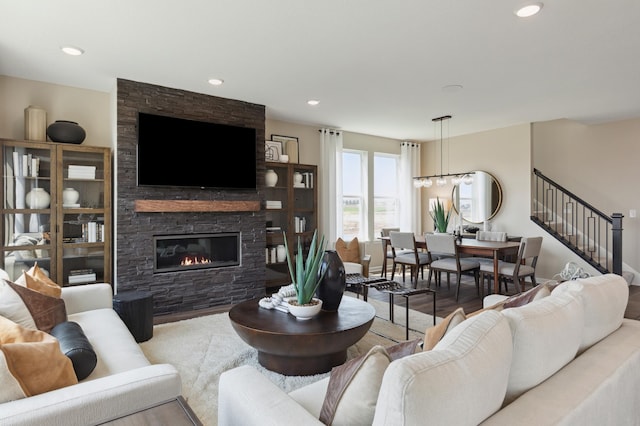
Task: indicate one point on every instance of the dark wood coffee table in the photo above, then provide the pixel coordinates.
(301, 348)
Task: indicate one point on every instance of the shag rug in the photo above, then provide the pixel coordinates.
(202, 348)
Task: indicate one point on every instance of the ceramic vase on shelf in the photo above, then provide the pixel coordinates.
(66, 131)
(70, 196)
(271, 178)
(297, 179)
(333, 284)
(38, 198)
(281, 253)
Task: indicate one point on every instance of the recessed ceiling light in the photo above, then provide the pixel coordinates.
(528, 10)
(215, 81)
(313, 102)
(72, 50)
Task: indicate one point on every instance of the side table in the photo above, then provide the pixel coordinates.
(135, 308)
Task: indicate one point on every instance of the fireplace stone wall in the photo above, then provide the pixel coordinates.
(185, 291)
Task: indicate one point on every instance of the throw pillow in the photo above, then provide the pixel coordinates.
(348, 252)
(535, 293)
(30, 362)
(36, 279)
(353, 387)
(45, 311)
(75, 345)
(434, 334)
(13, 307)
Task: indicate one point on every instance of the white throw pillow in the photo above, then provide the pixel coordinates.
(604, 299)
(546, 335)
(470, 364)
(13, 308)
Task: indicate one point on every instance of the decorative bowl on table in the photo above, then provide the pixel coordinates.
(304, 312)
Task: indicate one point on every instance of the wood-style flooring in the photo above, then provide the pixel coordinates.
(445, 300)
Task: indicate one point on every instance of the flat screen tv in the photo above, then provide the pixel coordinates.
(187, 153)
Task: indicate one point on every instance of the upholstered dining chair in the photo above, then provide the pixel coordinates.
(444, 246)
(387, 251)
(523, 267)
(498, 236)
(405, 253)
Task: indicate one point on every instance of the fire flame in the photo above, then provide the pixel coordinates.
(194, 260)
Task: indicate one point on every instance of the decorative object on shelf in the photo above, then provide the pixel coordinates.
(297, 180)
(305, 273)
(35, 123)
(284, 158)
(281, 253)
(70, 197)
(38, 198)
(333, 282)
(66, 131)
(272, 150)
(290, 145)
(271, 178)
(440, 216)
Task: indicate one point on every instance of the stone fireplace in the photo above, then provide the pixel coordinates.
(185, 211)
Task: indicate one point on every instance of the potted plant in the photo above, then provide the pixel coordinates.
(305, 276)
(440, 216)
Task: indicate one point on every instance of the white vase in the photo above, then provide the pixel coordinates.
(70, 196)
(306, 312)
(297, 179)
(38, 198)
(281, 253)
(271, 178)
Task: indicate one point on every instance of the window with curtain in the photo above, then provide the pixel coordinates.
(354, 190)
(386, 201)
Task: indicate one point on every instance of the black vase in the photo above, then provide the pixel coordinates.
(333, 284)
(66, 131)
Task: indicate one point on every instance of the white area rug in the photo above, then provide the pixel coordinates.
(202, 348)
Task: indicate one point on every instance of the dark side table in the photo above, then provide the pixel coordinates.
(135, 308)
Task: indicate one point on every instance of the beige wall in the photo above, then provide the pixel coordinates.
(90, 109)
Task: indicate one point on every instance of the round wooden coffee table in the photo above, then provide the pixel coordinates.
(301, 348)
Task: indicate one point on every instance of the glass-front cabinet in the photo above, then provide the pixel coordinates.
(56, 210)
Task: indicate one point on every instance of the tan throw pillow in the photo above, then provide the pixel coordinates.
(37, 280)
(46, 311)
(348, 252)
(31, 362)
(434, 334)
(352, 392)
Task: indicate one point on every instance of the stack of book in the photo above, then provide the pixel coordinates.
(82, 276)
(82, 172)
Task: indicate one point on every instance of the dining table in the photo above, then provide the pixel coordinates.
(490, 249)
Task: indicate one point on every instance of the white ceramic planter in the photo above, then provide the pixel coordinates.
(304, 313)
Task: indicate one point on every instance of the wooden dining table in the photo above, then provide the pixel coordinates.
(489, 249)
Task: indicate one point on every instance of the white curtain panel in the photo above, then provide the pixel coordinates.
(331, 179)
(410, 196)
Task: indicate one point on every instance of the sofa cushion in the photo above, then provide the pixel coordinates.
(461, 381)
(604, 299)
(35, 279)
(435, 333)
(13, 307)
(42, 312)
(31, 362)
(353, 387)
(75, 345)
(546, 335)
(348, 252)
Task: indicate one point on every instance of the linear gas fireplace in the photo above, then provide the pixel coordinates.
(196, 251)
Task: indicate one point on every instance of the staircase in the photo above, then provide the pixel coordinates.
(589, 233)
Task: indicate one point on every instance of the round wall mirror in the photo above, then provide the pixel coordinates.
(479, 200)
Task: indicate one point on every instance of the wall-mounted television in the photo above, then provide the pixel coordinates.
(187, 153)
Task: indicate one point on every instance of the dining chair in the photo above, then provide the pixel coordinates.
(498, 236)
(387, 251)
(523, 267)
(405, 253)
(445, 248)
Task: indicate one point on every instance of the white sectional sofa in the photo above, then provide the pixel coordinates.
(569, 358)
(123, 381)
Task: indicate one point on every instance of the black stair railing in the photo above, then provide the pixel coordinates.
(591, 234)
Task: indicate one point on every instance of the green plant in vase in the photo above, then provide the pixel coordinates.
(304, 272)
(440, 216)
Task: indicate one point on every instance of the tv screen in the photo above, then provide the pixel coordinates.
(187, 153)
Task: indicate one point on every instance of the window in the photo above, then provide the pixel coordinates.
(353, 194)
(386, 193)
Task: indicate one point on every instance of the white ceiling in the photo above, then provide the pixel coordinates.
(378, 67)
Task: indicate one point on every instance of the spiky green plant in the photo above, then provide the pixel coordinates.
(304, 274)
(440, 216)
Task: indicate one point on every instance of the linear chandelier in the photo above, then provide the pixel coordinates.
(427, 182)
